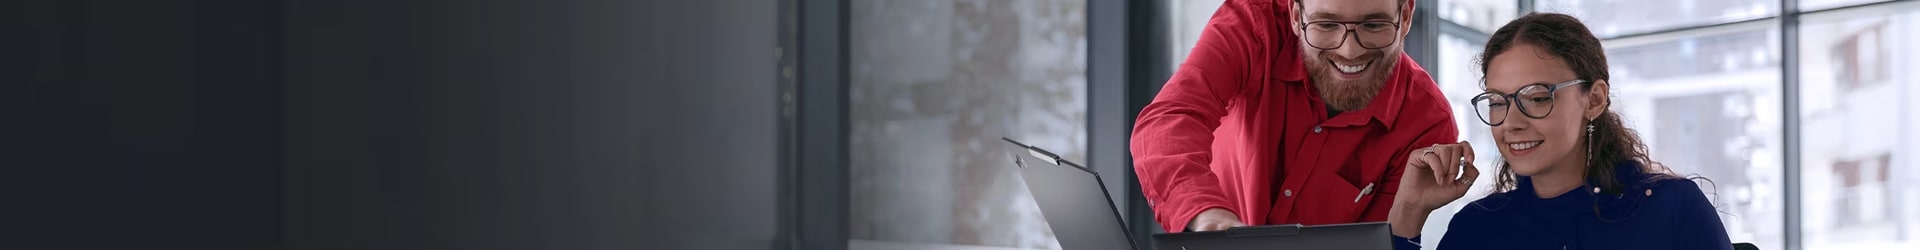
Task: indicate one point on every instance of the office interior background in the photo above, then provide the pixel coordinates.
(1714, 86)
(820, 124)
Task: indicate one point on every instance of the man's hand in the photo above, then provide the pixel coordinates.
(1434, 176)
(1214, 219)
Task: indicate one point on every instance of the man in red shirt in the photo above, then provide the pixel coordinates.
(1289, 111)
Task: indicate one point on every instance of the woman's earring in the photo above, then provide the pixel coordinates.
(1590, 142)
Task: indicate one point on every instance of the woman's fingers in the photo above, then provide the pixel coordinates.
(1451, 157)
(1472, 173)
(1468, 147)
(1423, 163)
(1429, 162)
(1451, 164)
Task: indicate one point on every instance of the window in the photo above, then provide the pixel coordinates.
(1701, 81)
(1459, 78)
(1483, 15)
(1858, 116)
(934, 85)
(1186, 19)
(1707, 104)
(1608, 18)
(1807, 5)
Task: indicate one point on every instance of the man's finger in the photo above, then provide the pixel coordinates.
(1225, 224)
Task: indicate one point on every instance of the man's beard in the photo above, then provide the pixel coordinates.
(1349, 95)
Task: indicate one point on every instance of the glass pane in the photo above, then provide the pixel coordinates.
(1188, 18)
(1707, 105)
(1459, 78)
(935, 84)
(1483, 15)
(1185, 21)
(1609, 18)
(1858, 90)
(1810, 5)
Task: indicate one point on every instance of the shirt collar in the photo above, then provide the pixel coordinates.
(1385, 106)
(1587, 198)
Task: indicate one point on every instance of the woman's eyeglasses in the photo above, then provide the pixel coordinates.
(1535, 101)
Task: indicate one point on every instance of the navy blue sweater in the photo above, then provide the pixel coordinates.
(1673, 215)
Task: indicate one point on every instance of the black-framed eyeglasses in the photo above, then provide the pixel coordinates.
(1535, 101)
(1333, 34)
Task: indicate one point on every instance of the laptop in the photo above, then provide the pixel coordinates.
(1075, 204)
(1362, 236)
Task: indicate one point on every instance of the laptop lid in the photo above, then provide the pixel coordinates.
(1356, 236)
(1072, 199)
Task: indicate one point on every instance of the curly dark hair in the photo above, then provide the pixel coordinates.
(1564, 37)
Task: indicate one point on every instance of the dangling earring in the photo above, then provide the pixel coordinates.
(1590, 143)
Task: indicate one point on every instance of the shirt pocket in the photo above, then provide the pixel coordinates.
(1366, 175)
(1336, 201)
(1351, 188)
(1368, 169)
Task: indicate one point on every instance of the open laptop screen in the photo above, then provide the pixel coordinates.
(1072, 199)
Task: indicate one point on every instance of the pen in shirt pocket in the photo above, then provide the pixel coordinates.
(1363, 192)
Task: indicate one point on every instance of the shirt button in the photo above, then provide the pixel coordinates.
(1316, 129)
(1288, 192)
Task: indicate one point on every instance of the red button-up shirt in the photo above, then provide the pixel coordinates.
(1240, 127)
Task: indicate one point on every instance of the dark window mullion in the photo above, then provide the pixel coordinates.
(1790, 109)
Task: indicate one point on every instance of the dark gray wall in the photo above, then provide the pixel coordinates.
(416, 124)
(148, 124)
(531, 124)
